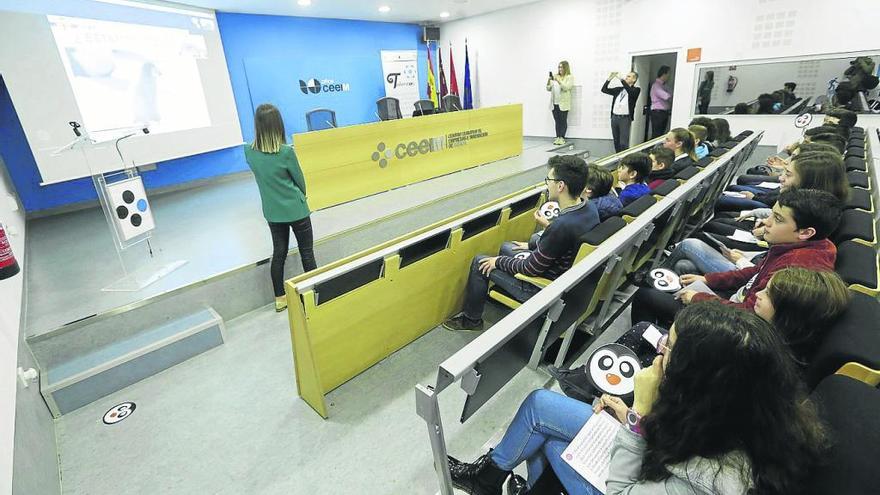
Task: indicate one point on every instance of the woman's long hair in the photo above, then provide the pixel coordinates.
(566, 69)
(806, 303)
(731, 386)
(687, 140)
(268, 129)
(822, 170)
(722, 130)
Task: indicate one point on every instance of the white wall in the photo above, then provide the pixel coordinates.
(12, 217)
(513, 49)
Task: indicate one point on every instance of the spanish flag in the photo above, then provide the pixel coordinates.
(432, 85)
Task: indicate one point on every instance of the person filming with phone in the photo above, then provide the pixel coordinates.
(559, 85)
(625, 97)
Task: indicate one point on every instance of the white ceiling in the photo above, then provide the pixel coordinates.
(409, 11)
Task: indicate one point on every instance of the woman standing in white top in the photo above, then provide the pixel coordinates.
(559, 85)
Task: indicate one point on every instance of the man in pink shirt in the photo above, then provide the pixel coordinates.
(661, 103)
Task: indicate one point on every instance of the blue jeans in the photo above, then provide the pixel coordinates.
(750, 188)
(544, 425)
(729, 203)
(695, 256)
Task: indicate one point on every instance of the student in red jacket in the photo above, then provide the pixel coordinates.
(797, 232)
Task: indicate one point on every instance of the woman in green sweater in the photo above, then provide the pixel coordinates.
(283, 193)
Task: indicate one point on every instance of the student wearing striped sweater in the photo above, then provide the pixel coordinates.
(553, 255)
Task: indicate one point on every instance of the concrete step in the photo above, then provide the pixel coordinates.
(90, 376)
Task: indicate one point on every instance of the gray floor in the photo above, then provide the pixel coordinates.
(229, 422)
(71, 256)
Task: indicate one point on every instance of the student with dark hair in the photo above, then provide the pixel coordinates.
(841, 117)
(598, 191)
(722, 410)
(722, 131)
(682, 143)
(788, 96)
(622, 107)
(776, 164)
(765, 104)
(553, 255)
(741, 109)
(661, 102)
(283, 194)
(829, 138)
(661, 166)
(797, 233)
(632, 172)
(802, 305)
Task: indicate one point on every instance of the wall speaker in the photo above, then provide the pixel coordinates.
(430, 33)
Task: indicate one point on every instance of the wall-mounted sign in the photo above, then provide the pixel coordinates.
(694, 54)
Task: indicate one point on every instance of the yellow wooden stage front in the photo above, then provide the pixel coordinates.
(353, 162)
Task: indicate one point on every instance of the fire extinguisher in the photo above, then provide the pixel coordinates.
(731, 83)
(8, 264)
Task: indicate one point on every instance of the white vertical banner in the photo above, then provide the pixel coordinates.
(400, 70)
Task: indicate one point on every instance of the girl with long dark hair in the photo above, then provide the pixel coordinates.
(283, 194)
(722, 410)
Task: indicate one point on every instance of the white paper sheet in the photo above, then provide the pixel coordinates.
(743, 236)
(770, 185)
(734, 194)
(590, 452)
(652, 335)
(698, 286)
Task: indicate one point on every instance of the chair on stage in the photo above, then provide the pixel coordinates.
(388, 108)
(450, 103)
(321, 118)
(423, 107)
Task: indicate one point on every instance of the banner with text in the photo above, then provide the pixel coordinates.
(401, 73)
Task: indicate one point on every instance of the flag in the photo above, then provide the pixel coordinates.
(432, 86)
(468, 102)
(453, 81)
(443, 90)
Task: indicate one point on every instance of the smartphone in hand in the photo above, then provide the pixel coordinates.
(550, 74)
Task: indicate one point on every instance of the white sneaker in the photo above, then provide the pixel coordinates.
(561, 141)
(557, 141)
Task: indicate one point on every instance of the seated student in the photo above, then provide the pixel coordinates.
(830, 138)
(765, 104)
(553, 255)
(776, 164)
(721, 411)
(597, 191)
(797, 232)
(682, 143)
(661, 166)
(711, 131)
(742, 109)
(700, 133)
(722, 131)
(631, 174)
(822, 170)
(842, 117)
(802, 305)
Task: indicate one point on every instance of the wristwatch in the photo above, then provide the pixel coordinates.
(633, 422)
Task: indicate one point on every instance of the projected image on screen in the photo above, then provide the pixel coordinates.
(131, 75)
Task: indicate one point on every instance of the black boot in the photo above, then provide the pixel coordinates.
(516, 485)
(482, 477)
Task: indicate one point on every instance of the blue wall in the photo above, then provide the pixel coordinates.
(348, 49)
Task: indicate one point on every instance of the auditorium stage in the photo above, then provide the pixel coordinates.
(218, 228)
